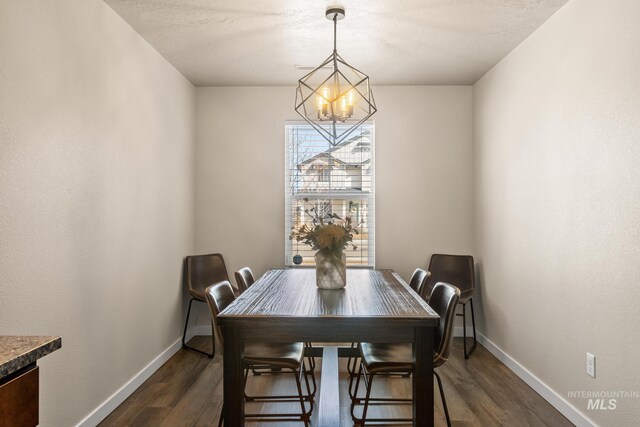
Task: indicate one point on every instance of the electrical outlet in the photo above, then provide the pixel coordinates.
(591, 365)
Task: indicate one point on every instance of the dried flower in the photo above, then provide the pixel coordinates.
(331, 233)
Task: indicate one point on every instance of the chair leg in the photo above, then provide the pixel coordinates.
(352, 369)
(213, 340)
(310, 394)
(473, 323)
(366, 400)
(444, 401)
(464, 329)
(184, 335)
(186, 323)
(300, 397)
(312, 360)
(301, 372)
(311, 372)
(354, 394)
(304, 414)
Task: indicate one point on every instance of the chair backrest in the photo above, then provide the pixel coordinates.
(418, 280)
(244, 279)
(454, 269)
(444, 300)
(219, 296)
(205, 270)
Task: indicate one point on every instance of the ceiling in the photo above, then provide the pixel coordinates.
(396, 42)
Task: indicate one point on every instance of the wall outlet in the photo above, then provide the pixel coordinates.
(591, 365)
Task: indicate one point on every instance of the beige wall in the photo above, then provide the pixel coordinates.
(557, 189)
(96, 196)
(423, 174)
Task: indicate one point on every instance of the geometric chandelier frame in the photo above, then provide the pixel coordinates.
(335, 98)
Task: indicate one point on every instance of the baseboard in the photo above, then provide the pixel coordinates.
(547, 393)
(109, 405)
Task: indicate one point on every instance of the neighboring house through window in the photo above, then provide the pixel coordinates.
(330, 178)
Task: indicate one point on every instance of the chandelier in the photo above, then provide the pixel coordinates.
(335, 98)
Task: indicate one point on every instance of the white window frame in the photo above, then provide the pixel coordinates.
(370, 198)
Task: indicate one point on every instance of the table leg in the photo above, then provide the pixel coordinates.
(423, 378)
(233, 377)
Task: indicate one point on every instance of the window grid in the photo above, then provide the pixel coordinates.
(330, 178)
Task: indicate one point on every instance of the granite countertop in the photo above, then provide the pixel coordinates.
(16, 352)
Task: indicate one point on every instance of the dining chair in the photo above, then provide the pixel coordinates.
(417, 283)
(285, 357)
(244, 279)
(202, 271)
(457, 270)
(418, 280)
(377, 359)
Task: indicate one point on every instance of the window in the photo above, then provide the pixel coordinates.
(330, 178)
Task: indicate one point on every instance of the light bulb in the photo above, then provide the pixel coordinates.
(343, 106)
(326, 93)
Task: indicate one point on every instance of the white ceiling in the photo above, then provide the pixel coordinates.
(258, 42)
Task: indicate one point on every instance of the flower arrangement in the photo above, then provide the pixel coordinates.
(328, 234)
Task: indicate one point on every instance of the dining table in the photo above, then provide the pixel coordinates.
(285, 305)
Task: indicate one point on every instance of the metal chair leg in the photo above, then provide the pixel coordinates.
(310, 394)
(352, 369)
(312, 360)
(464, 329)
(353, 394)
(304, 414)
(444, 401)
(363, 420)
(307, 372)
(184, 335)
(473, 323)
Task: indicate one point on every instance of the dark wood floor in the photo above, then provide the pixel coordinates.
(480, 391)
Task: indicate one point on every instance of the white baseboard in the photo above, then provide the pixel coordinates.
(547, 393)
(109, 405)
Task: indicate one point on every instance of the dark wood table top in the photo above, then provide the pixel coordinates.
(292, 292)
(286, 306)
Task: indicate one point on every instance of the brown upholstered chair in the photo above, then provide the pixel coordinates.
(377, 359)
(418, 280)
(244, 279)
(202, 271)
(285, 357)
(457, 270)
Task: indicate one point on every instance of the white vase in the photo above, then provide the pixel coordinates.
(331, 270)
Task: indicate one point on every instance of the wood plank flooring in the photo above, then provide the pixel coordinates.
(480, 391)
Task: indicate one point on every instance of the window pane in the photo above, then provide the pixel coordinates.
(330, 177)
(359, 215)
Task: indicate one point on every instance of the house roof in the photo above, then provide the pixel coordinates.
(352, 152)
